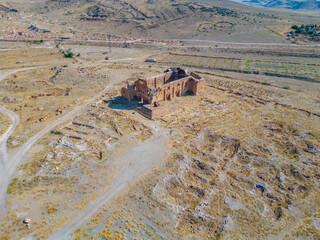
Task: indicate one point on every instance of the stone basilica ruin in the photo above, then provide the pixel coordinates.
(155, 91)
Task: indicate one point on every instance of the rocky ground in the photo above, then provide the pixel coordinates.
(3, 123)
(148, 19)
(239, 166)
(242, 161)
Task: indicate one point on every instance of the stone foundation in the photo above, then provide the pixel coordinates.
(161, 92)
(151, 112)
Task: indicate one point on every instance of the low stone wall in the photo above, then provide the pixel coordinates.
(169, 106)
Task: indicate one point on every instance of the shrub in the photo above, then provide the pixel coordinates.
(68, 55)
(286, 87)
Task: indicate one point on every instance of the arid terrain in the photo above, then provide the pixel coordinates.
(240, 161)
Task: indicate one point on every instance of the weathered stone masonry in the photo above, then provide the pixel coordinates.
(173, 83)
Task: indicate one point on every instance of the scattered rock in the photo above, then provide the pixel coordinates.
(312, 148)
(280, 179)
(59, 110)
(291, 188)
(282, 186)
(26, 221)
(269, 195)
(272, 128)
(278, 213)
(302, 188)
(36, 29)
(261, 187)
(83, 125)
(68, 91)
(10, 99)
(56, 132)
(42, 119)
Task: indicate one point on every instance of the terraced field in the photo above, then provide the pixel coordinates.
(308, 72)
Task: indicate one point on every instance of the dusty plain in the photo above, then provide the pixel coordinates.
(240, 162)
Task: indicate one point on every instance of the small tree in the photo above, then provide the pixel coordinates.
(68, 55)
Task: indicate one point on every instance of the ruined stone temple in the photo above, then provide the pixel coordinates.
(154, 91)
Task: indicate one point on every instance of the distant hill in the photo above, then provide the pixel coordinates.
(313, 5)
(166, 19)
(218, 20)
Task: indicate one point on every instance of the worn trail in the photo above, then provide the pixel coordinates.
(3, 145)
(133, 164)
(4, 181)
(3, 76)
(136, 161)
(9, 163)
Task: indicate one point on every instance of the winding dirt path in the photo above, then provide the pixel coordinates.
(137, 161)
(3, 76)
(3, 144)
(4, 182)
(246, 43)
(9, 163)
(14, 118)
(133, 164)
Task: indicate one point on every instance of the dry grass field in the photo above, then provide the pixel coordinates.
(205, 20)
(240, 162)
(239, 165)
(46, 86)
(4, 124)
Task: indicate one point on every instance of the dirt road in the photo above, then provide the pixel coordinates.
(3, 76)
(137, 161)
(4, 138)
(9, 163)
(194, 41)
(134, 163)
(3, 145)
(247, 43)
(4, 153)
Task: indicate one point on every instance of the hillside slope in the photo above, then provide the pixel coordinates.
(166, 19)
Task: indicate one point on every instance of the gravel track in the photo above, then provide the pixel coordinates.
(10, 162)
(137, 161)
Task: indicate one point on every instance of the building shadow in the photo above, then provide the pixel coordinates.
(121, 103)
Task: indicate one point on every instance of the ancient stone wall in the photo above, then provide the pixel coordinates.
(152, 113)
(162, 88)
(158, 81)
(174, 89)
